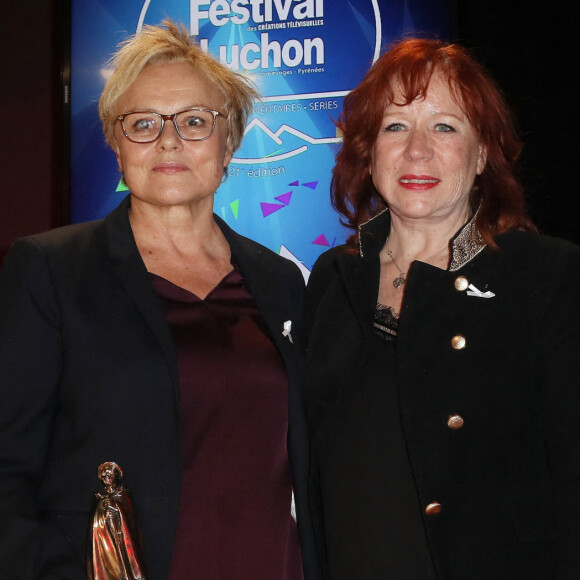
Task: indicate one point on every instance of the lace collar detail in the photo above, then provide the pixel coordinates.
(467, 244)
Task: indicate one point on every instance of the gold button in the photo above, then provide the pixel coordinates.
(458, 342)
(433, 509)
(461, 283)
(455, 422)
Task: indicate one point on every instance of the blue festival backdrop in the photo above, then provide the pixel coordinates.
(303, 55)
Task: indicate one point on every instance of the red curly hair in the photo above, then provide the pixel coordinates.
(409, 65)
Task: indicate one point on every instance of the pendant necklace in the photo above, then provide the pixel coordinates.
(402, 277)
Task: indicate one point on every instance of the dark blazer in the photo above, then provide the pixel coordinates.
(88, 374)
(507, 472)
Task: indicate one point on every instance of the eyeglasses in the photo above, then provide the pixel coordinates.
(193, 124)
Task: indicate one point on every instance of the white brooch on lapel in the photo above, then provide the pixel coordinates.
(473, 291)
(287, 329)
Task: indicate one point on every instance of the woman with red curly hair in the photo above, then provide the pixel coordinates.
(443, 342)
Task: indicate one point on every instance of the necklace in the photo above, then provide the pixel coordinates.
(402, 277)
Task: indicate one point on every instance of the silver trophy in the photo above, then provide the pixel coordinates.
(115, 548)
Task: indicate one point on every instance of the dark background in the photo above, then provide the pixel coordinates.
(528, 46)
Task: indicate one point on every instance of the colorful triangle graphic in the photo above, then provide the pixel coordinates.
(122, 186)
(235, 206)
(270, 208)
(321, 241)
(311, 184)
(285, 198)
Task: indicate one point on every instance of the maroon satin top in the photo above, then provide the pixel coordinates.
(235, 518)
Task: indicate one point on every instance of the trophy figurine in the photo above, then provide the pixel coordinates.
(115, 550)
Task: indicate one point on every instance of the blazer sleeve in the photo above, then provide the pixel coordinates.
(323, 339)
(30, 366)
(558, 323)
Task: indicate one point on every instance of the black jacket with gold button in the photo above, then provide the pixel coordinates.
(489, 391)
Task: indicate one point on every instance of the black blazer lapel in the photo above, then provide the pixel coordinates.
(360, 278)
(132, 273)
(268, 286)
